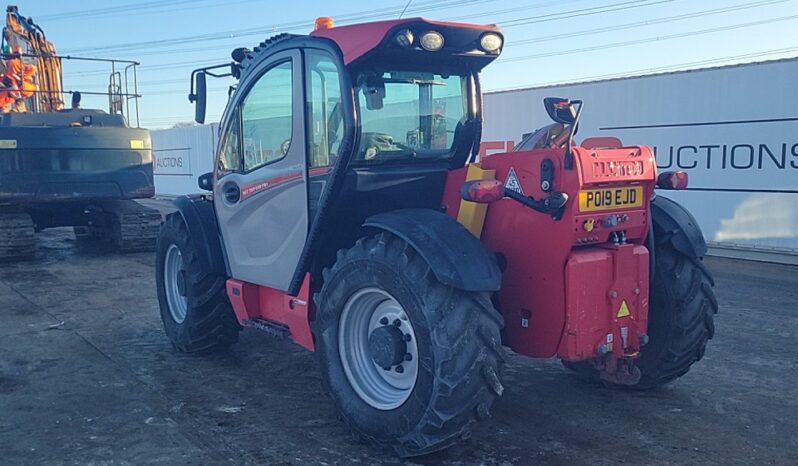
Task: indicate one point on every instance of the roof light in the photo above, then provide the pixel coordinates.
(431, 41)
(323, 22)
(491, 42)
(672, 180)
(404, 38)
(482, 191)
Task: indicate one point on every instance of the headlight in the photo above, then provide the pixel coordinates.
(431, 41)
(404, 38)
(490, 42)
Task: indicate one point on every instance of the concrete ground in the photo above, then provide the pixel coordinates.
(87, 376)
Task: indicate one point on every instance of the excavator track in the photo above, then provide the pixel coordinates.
(134, 228)
(130, 226)
(17, 236)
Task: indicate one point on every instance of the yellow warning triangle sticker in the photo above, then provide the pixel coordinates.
(624, 310)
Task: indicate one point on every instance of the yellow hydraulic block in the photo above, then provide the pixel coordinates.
(471, 214)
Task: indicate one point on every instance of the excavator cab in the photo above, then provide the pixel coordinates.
(59, 166)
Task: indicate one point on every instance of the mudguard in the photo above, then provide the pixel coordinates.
(200, 219)
(457, 257)
(673, 220)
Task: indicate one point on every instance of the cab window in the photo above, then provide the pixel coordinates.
(325, 115)
(266, 117)
(409, 115)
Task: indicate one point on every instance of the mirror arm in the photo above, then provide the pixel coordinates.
(569, 156)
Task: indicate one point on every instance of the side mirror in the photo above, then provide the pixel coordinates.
(199, 96)
(205, 181)
(560, 110)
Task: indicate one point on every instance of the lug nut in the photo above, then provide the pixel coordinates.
(399, 369)
(397, 322)
(408, 357)
(408, 337)
(386, 368)
(384, 321)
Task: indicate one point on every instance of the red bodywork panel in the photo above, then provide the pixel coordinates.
(560, 274)
(588, 324)
(358, 39)
(253, 302)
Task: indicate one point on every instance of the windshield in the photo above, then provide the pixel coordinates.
(406, 115)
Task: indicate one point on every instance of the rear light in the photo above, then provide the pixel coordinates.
(482, 191)
(672, 180)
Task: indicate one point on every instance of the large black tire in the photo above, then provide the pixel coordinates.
(209, 322)
(459, 351)
(680, 320)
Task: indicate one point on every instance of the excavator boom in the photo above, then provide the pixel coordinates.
(24, 38)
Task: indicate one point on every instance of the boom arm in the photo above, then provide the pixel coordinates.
(21, 32)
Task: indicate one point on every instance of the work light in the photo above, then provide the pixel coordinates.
(404, 38)
(491, 42)
(431, 41)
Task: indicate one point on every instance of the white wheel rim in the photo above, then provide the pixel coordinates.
(365, 311)
(172, 267)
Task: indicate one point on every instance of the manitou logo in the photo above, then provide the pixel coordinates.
(617, 169)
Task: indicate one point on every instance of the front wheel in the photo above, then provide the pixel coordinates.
(195, 310)
(410, 363)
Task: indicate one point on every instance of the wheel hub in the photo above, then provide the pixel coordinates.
(378, 348)
(387, 346)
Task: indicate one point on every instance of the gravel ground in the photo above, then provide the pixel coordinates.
(87, 376)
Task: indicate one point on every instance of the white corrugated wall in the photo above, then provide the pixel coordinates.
(181, 155)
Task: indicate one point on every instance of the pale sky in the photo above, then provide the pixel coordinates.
(547, 41)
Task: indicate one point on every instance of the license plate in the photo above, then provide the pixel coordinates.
(610, 198)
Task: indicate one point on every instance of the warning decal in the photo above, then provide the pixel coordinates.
(512, 182)
(624, 310)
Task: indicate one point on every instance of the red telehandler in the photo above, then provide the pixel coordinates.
(350, 214)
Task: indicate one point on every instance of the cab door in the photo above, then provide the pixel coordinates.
(260, 193)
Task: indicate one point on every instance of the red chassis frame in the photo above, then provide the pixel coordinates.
(568, 290)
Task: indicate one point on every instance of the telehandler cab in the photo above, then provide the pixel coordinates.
(349, 213)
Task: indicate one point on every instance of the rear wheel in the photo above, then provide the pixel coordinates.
(410, 363)
(680, 320)
(195, 310)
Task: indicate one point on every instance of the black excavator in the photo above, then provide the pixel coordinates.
(70, 166)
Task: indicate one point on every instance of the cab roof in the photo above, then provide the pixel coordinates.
(358, 40)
